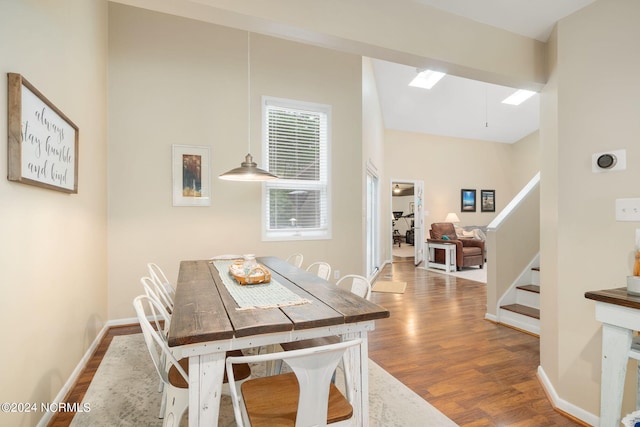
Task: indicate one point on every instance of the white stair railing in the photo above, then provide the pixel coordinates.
(513, 240)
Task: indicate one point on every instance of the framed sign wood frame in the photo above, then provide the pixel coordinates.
(43, 143)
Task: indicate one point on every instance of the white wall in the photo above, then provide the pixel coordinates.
(373, 149)
(178, 81)
(590, 106)
(53, 253)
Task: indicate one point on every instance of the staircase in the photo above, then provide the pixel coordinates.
(520, 307)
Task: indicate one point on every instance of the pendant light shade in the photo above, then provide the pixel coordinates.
(248, 170)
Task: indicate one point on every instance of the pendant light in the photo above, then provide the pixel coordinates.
(248, 170)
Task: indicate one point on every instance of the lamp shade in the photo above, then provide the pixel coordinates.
(248, 171)
(452, 217)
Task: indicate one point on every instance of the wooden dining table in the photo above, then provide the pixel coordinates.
(207, 322)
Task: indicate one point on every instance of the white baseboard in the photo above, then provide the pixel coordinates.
(562, 404)
(491, 317)
(81, 364)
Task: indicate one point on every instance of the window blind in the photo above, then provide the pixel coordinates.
(296, 147)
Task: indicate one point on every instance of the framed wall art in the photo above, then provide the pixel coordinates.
(467, 200)
(191, 176)
(487, 200)
(42, 147)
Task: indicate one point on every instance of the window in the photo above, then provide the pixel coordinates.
(296, 147)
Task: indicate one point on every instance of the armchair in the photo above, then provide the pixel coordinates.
(469, 252)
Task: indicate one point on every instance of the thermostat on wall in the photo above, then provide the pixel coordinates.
(607, 161)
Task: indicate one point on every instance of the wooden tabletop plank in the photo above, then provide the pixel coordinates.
(352, 307)
(617, 296)
(311, 315)
(252, 321)
(198, 314)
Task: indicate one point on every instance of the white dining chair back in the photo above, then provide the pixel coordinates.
(313, 370)
(176, 393)
(358, 285)
(156, 291)
(322, 269)
(156, 273)
(295, 259)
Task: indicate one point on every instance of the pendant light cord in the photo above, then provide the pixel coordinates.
(249, 90)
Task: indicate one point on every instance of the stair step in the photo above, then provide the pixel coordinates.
(530, 288)
(523, 309)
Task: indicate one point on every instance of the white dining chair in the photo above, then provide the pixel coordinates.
(158, 292)
(356, 284)
(305, 397)
(172, 373)
(295, 259)
(156, 273)
(321, 269)
(161, 321)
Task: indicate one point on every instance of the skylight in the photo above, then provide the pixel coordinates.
(427, 79)
(518, 97)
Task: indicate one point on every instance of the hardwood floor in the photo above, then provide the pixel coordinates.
(62, 419)
(438, 344)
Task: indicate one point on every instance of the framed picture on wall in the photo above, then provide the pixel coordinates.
(467, 200)
(488, 200)
(191, 176)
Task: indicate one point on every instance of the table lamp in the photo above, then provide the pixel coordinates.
(452, 217)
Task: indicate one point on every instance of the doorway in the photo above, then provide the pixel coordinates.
(407, 220)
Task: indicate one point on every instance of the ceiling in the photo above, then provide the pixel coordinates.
(464, 108)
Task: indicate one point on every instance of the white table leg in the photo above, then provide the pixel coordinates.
(206, 374)
(616, 342)
(358, 360)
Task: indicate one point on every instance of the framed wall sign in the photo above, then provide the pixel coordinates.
(487, 200)
(467, 200)
(43, 143)
(191, 176)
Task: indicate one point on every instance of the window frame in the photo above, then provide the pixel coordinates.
(323, 184)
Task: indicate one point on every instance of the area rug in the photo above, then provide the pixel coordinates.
(124, 392)
(470, 273)
(389, 286)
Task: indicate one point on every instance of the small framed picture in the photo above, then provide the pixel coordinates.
(488, 200)
(191, 176)
(467, 200)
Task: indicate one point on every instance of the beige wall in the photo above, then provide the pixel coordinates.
(447, 165)
(594, 93)
(373, 148)
(525, 158)
(53, 252)
(381, 29)
(177, 81)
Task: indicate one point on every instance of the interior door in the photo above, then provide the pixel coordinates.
(418, 220)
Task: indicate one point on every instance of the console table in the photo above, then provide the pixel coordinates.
(449, 256)
(620, 316)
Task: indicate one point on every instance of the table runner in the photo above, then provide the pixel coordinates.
(264, 295)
